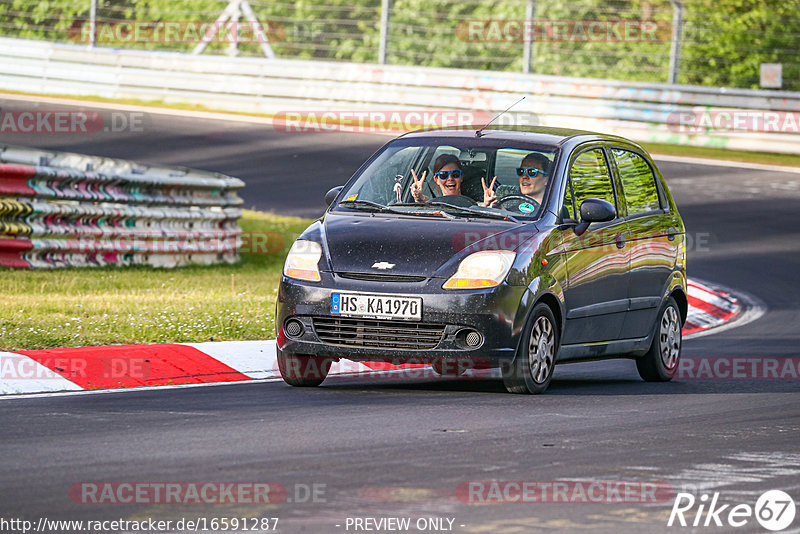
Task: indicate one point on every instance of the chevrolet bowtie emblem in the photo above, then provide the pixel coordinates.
(382, 265)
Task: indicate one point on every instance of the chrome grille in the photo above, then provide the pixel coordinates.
(382, 334)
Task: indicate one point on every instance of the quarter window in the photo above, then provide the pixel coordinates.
(638, 182)
(590, 178)
(568, 209)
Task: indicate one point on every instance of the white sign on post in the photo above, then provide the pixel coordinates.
(771, 75)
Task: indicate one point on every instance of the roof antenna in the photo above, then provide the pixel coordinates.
(479, 132)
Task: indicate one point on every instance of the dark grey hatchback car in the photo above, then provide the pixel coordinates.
(500, 248)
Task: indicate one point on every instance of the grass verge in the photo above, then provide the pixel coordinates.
(80, 307)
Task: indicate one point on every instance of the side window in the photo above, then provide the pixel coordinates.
(590, 178)
(638, 182)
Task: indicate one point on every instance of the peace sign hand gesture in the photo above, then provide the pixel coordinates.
(416, 186)
(489, 196)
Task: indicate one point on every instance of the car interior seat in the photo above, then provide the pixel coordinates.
(471, 182)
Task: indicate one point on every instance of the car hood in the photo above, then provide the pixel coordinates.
(413, 246)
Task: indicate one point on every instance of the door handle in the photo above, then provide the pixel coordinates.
(621, 240)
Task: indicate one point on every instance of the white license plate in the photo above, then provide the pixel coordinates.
(376, 306)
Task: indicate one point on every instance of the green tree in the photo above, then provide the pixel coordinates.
(725, 42)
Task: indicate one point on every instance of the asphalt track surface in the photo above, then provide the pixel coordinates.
(402, 447)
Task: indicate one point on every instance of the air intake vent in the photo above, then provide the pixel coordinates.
(376, 277)
(378, 333)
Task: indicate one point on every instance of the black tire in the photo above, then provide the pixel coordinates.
(660, 364)
(532, 369)
(300, 370)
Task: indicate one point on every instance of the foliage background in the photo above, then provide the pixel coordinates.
(724, 41)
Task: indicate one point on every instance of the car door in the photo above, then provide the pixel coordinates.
(597, 261)
(653, 247)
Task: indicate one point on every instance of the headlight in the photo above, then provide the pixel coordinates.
(302, 261)
(486, 268)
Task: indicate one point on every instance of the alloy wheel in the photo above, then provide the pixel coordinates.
(670, 337)
(541, 350)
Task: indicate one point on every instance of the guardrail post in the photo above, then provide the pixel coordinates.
(92, 23)
(527, 56)
(236, 14)
(677, 34)
(384, 37)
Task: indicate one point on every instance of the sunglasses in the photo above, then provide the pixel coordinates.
(442, 175)
(533, 173)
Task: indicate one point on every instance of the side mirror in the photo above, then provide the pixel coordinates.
(594, 210)
(331, 195)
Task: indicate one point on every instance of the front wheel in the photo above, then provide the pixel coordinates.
(301, 370)
(533, 366)
(661, 362)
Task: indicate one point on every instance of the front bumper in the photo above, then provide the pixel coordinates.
(494, 313)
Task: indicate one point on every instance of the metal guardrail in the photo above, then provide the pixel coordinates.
(69, 210)
(646, 112)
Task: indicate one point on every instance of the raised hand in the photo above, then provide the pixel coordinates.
(489, 196)
(416, 186)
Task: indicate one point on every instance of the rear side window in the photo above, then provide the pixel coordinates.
(638, 182)
(590, 178)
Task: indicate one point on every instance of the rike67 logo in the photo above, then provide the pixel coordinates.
(774, 510)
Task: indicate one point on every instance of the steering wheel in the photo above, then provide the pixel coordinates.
(523, 198)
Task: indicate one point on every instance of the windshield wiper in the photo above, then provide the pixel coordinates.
(390, 209)
(490, 214)
(364, 203)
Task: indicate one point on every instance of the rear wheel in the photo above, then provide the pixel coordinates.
(302, 370)
(661, 362)
(532, 369)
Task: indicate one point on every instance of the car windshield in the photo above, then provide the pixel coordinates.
(423, 176)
